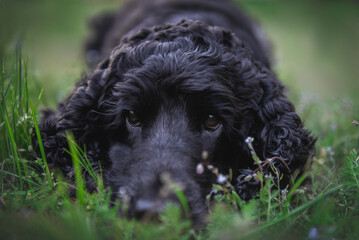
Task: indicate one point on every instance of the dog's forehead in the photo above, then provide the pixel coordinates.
(193, 95)
(171, 86)
(183, 69)
(175, 67)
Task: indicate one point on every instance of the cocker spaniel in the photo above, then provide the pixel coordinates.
(176, 83)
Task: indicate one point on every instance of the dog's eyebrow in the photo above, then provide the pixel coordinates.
(140, 93)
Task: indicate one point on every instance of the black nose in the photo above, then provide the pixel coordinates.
(146, 209)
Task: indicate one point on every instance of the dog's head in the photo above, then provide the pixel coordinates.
(171, 96)
(167, 94)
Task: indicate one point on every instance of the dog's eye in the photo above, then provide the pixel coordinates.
(211, 123)
(133, 119)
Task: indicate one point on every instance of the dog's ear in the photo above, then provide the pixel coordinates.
(279, 137)
(264, 112)
(282, 135)
(75, 114)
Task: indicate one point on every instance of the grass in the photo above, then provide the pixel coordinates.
(34, 199)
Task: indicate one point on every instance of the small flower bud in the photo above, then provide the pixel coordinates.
(199, 168)
(355, 123)
(204, 155)
(221, 178)
(249, 140)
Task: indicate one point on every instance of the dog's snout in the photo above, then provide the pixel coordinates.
(153, 197)
(148, 209)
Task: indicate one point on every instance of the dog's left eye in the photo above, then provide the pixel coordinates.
(211, 123)
(133, 120)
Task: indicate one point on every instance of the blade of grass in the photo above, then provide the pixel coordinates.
(38, 100)
(24, 108)
(19, 77)
(2, 110)
(297, 210)
(182, 198)
(17, 176)
(13, 107)
(26, 90)
(84, 162)
(87, 164)
(291, 193)
(7, 88)
(41, 146)
(14, 149)
(80, 186)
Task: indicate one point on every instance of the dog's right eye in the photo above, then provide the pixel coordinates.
(133, 120)
(211, 123)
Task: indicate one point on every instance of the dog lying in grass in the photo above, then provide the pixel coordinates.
(178, 85)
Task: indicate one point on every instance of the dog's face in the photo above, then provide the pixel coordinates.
(165, 96)
(171, 101)
(164, 144)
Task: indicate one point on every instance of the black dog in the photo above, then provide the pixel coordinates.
(168, 90)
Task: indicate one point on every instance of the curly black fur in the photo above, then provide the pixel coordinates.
(172, 76)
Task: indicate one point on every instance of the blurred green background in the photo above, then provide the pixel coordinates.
(315, 43)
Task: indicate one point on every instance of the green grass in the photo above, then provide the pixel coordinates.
(34, 199)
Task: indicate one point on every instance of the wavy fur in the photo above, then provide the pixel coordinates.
(173, 76)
